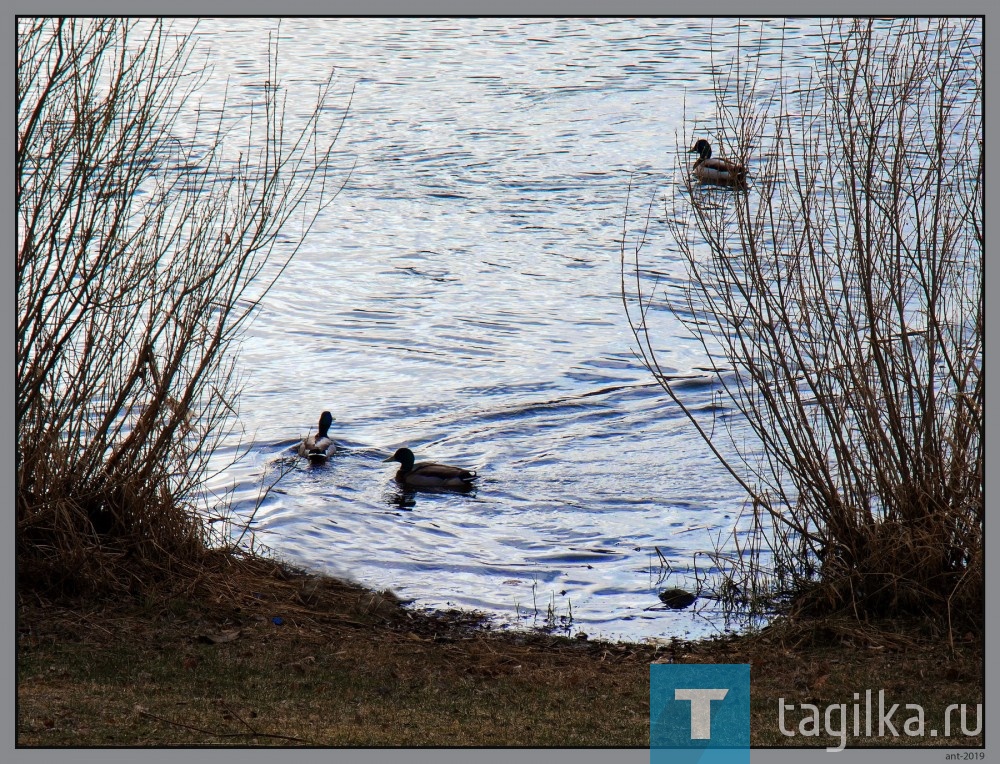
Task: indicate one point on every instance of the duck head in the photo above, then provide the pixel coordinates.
(404, 456)
(325, 420)
(701, 147)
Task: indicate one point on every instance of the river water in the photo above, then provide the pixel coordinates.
(462, 297)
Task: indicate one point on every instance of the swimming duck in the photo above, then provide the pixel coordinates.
(709, 169)
(319, 446)
(429, 474)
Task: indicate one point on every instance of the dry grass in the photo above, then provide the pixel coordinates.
(208, 664)
(202, 662)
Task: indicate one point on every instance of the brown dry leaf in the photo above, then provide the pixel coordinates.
(303, 665)
(221, 637)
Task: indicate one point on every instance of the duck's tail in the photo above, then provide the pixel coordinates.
(465, 480)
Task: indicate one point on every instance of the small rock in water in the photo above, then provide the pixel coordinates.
(678, 599)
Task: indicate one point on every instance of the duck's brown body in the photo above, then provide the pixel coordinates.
(722, 172)
(319, 447)
(430, 474)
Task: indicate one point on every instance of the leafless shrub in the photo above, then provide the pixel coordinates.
(148, 232)
(844, 289)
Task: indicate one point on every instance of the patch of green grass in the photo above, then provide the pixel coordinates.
(354, 668)
(256, 691)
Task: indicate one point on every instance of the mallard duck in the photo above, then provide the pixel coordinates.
(318, 447)
(709, 169)
(429, 474)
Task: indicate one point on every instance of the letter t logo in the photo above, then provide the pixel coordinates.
(686, 726)
(701, 709)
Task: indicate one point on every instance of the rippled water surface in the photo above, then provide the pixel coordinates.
(462, 297)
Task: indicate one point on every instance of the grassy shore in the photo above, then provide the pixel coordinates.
(252, 654)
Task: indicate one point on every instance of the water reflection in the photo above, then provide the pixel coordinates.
(403, 498)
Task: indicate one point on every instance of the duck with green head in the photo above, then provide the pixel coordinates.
(430, 474)
(721, 172)
(317, 448)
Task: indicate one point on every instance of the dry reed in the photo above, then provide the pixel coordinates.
(843, 291)
(150, 226)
